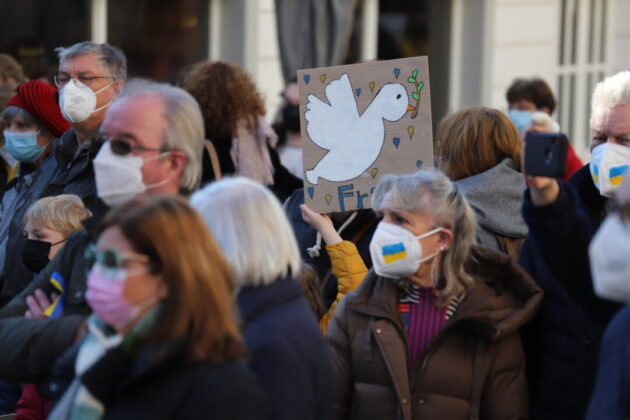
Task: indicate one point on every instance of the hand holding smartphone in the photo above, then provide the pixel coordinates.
(546, 154)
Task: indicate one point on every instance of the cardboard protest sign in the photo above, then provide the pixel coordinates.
(359, 122)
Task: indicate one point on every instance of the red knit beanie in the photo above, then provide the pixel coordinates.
(38, 99)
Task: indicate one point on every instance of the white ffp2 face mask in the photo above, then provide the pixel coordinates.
(609, 165)
(609, 254)
(77, 101)
(119, 178)
(396, 252)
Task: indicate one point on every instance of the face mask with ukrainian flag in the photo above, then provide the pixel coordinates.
(609, 165)
(396, 252)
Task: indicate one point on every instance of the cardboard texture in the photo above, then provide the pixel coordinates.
(360, 122)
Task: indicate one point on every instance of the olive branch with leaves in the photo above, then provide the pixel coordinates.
(415, 95)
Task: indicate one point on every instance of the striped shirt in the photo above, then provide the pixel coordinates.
(421, 316)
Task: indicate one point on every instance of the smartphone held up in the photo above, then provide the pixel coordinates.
(546, 154)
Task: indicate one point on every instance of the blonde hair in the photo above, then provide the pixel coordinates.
(476, 139)
(62, 213)
(431, 193)
(248, 223)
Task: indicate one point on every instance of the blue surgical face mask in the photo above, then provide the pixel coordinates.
(521, 119)
(22, 145)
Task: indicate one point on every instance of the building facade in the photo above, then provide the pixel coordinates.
(475, 47)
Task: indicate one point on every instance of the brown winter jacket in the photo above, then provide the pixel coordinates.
(473, 369)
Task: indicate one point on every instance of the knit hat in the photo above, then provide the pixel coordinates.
(38, 99)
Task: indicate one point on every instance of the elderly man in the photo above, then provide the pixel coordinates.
(562, 218)
(156, 132)
(90, 77)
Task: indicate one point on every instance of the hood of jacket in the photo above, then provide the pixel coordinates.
(503, 298)
(496, 196)
(255, 300)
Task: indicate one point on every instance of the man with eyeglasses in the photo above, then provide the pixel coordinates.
(154, 139)
(90, 77)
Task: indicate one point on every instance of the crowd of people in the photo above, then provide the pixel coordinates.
(157, 260)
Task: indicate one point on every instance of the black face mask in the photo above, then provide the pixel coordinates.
(35, 254)
(291, 117)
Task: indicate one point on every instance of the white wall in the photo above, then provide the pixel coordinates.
(244, 31)
(265, 64)
(621, 37)
(495, 41)
(523, 43)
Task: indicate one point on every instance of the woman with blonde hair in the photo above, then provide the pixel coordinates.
(480, 150)
(164, 341)
(433, 330)
(288, 354)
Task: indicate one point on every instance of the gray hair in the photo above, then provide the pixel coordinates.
(247, 221)
(113, 60)
(13, 111)
(431, 193)
(185, 130)
(612, 91)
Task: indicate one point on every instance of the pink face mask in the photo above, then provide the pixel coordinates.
(105, 294)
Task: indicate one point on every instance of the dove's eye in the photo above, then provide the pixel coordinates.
(398, 97)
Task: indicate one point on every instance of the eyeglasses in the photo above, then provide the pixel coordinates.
(62, 79)
(111, 258)
(123, 148)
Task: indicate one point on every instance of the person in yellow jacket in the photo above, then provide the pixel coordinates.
(347, 264)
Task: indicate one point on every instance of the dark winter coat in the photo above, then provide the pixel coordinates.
(23, 191)
(156, 384)
(30, 346)
(473, 368)
(73, 174)
(611, 397)
(288, 355)
(562, 343)
(359, 232)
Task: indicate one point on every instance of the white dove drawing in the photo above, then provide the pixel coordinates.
(353, 141)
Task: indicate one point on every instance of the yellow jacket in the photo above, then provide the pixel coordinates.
(349, 269)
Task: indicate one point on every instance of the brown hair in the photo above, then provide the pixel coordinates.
(310, 282)
(199, 307)
(534, 90)
(226, 95)
(10, 69)
(62, 213)
(476, 139)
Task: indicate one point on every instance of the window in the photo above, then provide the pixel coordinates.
(159, 37)
(582, 62)
(30, 31)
